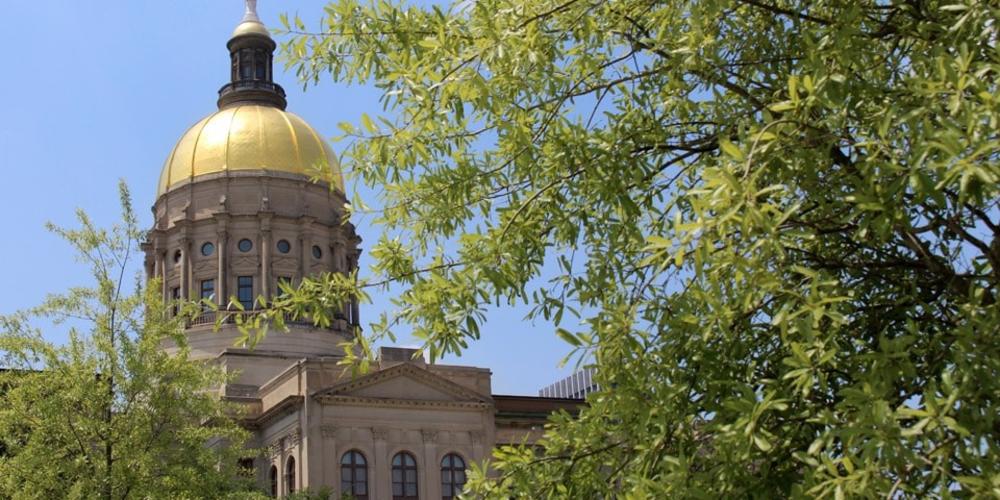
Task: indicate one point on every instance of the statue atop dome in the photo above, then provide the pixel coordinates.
(251, 12)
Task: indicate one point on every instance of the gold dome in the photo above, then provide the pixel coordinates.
(250, 137)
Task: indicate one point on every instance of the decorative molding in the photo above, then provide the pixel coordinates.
(430, 436)
(273, 449)
(476, 437)
(396, 403)
(285, 262)
(408, 370)
(285, 407)
(380, 433)
(293, 438)
(328, 431)
(204, 264)
(244, 261)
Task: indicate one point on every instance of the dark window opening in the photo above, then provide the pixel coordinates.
(260, 63)
(452, 476)
(290, 475)
(245, 245)
(175, 296)
(273, 478)
(354, 476)
(284, 246)
(244, 292)
(317, 252)
(404, 477)
(207, 291)
(246, 64)
(207, 248)
(283, 283)
(245, 467)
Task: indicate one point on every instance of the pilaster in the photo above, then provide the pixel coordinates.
(381, 486)
(430, 483)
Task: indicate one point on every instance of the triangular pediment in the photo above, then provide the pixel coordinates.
(404, 382)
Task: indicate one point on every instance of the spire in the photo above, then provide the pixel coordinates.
(251, 53)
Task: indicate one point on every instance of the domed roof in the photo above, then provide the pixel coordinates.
(250, 137)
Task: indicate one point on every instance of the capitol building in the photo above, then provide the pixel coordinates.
(251, 196)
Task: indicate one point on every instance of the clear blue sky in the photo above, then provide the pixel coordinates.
(97, 91)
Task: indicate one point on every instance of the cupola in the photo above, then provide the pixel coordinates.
(251, 54)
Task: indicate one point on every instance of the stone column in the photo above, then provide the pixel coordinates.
(222, 274)
(477, 445)
(355, 308)
(282, 486)
(381, 485)
(305, 245)
(265, 256)
(161, 272)
(430, 483)
(336, 249)
(185, 268)
(331, 464)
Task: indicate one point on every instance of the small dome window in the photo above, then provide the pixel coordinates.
(317, 252)
(245, 245)
(177, 257)
(284, 246)
(208, 248)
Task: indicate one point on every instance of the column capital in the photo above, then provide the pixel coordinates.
(476, 437)
(430, 436)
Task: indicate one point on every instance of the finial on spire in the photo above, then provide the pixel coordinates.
(251, 12)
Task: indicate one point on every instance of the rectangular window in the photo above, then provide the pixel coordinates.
(244, 291)
(283, 281)
(175, 295)
(207, 291)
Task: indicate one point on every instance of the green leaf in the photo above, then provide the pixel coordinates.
(731, 150)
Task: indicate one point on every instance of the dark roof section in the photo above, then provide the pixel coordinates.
(533, 406)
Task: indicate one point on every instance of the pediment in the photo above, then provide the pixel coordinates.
(285, 263)
(402, 383)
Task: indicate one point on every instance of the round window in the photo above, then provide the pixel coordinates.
(207, 248)
(245, 245)
(177, 257)
(284, 246)
(317, 252)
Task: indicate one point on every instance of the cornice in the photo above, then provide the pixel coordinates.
(285, 407)
(399, 403)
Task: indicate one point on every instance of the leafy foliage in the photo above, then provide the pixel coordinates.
(777, 221)
(109, 413)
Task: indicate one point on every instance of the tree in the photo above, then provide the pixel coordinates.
(110, 414)
(776, 222)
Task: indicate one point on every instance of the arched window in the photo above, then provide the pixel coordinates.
(404, 477)
(452, 476)
(290, 475)
(354, 475)
(273, 478)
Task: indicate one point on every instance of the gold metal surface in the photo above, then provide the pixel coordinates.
(250, 28)
(250, 137)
